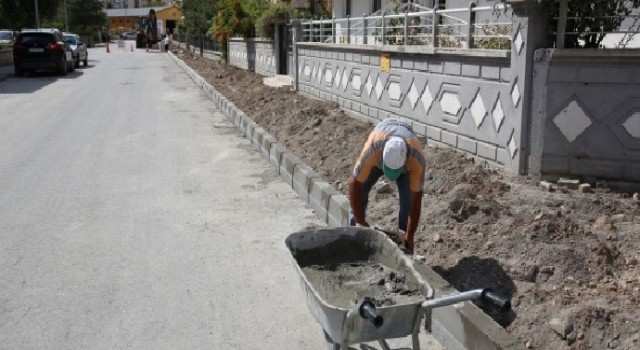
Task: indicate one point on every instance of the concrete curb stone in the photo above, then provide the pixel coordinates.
(302, 178)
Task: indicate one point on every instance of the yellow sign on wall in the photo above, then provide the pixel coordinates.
(385, 62)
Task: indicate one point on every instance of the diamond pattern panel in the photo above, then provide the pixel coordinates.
(515, 95)
(368, 86)
(345, 80)
(477, 110)
(632, 125)
(498, 115)
(572, 121)
(513, 146)
(413, 95)
(379, 88)
(426, 99)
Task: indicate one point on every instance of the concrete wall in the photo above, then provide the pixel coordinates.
(460, 99)
(256, 55)
(529, 110)
(587, 108)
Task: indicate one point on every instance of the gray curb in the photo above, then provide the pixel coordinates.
(462, 327)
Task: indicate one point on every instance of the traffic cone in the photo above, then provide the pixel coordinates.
(107, 45)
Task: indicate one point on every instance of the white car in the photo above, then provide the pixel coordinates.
(79, 48)
(128, 36)
(6, 38)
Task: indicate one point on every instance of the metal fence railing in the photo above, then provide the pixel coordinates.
(209, 44)
(597, 31)
(416, 25)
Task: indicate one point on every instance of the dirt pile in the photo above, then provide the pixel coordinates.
(568, 259)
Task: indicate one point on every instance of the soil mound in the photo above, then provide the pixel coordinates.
(568, 260)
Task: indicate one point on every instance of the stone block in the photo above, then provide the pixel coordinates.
(338, 211)
(302, 177)
(467, 144)
(319, 195)
(267, 142)
(256, 137)
(287, 165)
(488, 151)
(569, 183)
(450, 138)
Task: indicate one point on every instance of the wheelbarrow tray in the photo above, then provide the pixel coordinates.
(337, 245)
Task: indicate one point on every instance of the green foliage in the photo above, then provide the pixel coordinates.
(85, 16)
(198, 15)
(22, 14)
(276, 13)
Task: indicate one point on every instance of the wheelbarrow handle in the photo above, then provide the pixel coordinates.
(368, 311)
(501, 303)
(486, 295)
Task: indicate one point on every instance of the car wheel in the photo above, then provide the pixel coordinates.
(72, 66)
(63, 67)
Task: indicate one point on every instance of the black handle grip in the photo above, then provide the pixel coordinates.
(368, 312)
(501, 303)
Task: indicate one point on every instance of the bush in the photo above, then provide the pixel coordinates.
(274, 14)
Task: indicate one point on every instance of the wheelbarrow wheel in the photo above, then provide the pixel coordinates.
(332, 345)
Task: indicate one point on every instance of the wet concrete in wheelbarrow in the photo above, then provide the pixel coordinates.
(346, 285)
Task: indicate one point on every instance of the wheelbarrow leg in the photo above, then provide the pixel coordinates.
(332, 345)
(384, 345)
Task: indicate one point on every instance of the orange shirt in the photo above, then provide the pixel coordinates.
(371, 155)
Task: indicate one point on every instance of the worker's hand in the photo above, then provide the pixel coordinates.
(408, 243)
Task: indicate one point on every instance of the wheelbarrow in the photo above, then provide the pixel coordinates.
(359, 320)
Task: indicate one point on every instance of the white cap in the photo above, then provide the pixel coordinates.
(395, 153)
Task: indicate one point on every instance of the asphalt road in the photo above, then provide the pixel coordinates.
(133, 215)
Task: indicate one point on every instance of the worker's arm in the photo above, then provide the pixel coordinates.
(355, 201)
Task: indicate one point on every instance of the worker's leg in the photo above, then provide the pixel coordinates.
(366, 188)
(404, 194)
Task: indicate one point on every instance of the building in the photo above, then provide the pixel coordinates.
(120, 4)
(125, 19)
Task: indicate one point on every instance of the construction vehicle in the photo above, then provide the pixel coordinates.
(147, 30)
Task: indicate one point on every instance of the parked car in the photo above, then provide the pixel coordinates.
(6, 38)
(42, 49)
(79, 48)
(128, 35)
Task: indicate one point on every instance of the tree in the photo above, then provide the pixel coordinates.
(85, 16)
(22, 14)
(198, 17)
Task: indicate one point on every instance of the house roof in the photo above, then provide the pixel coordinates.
(135, 12)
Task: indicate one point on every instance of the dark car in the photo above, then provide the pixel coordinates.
(42, 49)
(79, 48)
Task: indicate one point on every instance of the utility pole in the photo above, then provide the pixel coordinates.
(37, 17)
(66, 21)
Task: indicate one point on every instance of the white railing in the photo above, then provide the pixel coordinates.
(414, 25)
